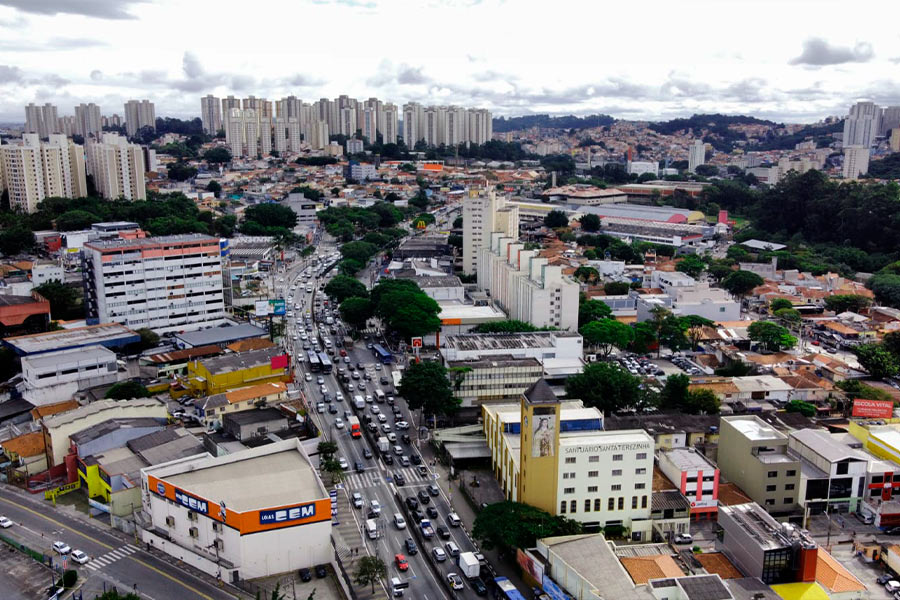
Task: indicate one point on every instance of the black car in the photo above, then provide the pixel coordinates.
(411, 547)
(424, 498)
(305, 574)
(418, 515)
(432, 512)
(478, 587)
(359, 365)
(433, 490)
(321, 573)
(383, 380)
(367, 453)
(399, 479)
(443, 533)
(422, 470)
(412, 503)
(332, 409)
(416, 459)
(387, 458)
(359, 467)
(405, 438)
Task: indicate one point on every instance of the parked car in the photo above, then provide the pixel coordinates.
(61, 548)
(683, 538)
(79, 557)
(321, 572)
(305, 574)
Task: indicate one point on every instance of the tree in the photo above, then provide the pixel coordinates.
(741, 283)
(605, 386)
(875, 359)
(691, 265)
(15, 240)
(350, 267)
(356, 311)
(126, 390)
(214, 187)
(271, 215)
(509, 525)
(217, 155)
(616, 288)
(149, 338)
(779, 303)
(180, 171)
(327, 449)
(342, 287)
(788, 316)
(333, 468)
(587, 274)
(359, 251)
(555, 219)
(458, 223)
(675, 392)
(369, 571)
(886, 286)
(771, 336)
(607, 334)
(891, 343)
(671, 333)
(855, 388)
(644, 337)
(693, 328)
(702, 401)
(590, 222)
(405, 308)
(719, 269)
(804, 408)
(592, 310)
(843, 302)
(64, 300)
(425, 386)
(737, 254)
(75, 220)
(508, 326)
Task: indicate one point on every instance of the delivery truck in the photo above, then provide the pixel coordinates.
(353, 426)
(469, 565)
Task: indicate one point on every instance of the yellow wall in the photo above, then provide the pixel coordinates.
(538, 475)
(95, 484)
(202, 383)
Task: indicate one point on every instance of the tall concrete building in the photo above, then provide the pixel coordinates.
(895, 139)
(481, 125)
(229, 103)
(117, 168)
(434, 131)
(288, 107)
(42, 120)
(457, 128)
(87, 121)
(139, 114)
(211, 114)
(388, 125)
(696, 155)
(34, 170)
(318, 134)
(287, 134)
(262, 106)
(856, 161)
(890, 119)
(347, 121)
(248, 134)
(168, 283)
(369, 125)
(412, 123)
(862, 125)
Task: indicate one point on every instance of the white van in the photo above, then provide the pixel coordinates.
(379, 395)
(371, 529)
(358, 402)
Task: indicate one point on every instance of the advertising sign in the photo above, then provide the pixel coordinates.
(529, 565)
(553, 590)
(416, 342)
(285, 515)
(543, 432)
(278, 307)
(262, 308)
(876, 409)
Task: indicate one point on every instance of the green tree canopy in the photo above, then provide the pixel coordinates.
(508, 326)
(587, 274)
(327, 449)
(65, 301)
(425, 386)
(555, 219)
(16, 240)
(369, 571)
(590, 222)
(790, 316)
(693, 325)
(75, 220)
(126, 390)
(592, 310)
(843, 302)
(854, 388)
(616, 288)
(875, 359)
(780, 303)
(607, 334)
(271, 215)
(675, 392)
(691, 265)
(405, 308)
(359, 251)
(217, 155)
(741, 283)
(180, 171)
(356, 311)
(701, 401)
(605, 386)
(771, 336)
(804, 408)
(342, 287)
(508, 525)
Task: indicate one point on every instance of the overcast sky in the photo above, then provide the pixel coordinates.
(789, 60)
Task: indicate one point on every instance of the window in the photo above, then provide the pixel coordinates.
(789, 500)
(772, 474)
(633, 502)
(569, 491)
(587, 505)
(592, 489)
(611, 504)
(593, 473)
(568, 475)
(640, 486)
(616, 487)
(617, 473)
(617, 457)
(597, 504)
(643, 501)
(770, 501)
(788, 487)
(570, 460)
(573, 507)
(791, 473)
(843, 468)
(641, 471)
(562, 507)
(641, 456)
(593, 459)
(621, 502)
(771, 488)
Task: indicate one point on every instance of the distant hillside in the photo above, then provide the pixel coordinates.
(504, 124)
(714, 123)
(822, 134)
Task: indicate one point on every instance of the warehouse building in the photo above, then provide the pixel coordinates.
(227, 372)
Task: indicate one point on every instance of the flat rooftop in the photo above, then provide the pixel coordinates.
(686, 460)
(606, 438)
(107, 334)
(266, 481)
(220, 335)
(754, 428)
(184, 238)
(245, 360)
(591, 557)
(496, 361)
(10, 300)
(468, 312)
(88, 354)
(506, 341)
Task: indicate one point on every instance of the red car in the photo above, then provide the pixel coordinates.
(343, 353)
(401, 562)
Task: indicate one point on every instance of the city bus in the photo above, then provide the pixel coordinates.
(506, 590)
(382, 355)
(324, 362)
(315, 365)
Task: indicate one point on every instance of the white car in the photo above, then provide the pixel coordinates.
(339, 423)
(61, 548)
(308, 377)
(80, 557)
(357, 500)
(343, 462)
(439, 554)
(5, 523)
(402, 425)
(375, 410)
(375, 506)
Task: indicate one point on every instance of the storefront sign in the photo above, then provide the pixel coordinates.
(876, 409)
(282, 515)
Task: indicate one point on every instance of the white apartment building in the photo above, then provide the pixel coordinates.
(482, 214)
(318, 135)
(641, 167)
(696, 155)
(369, 124)
(139, 114)
(117, 168)
(87, 121)
(856, 161)
(862, 125)
(413, 117)
(481, 125)
(42, 272)
(211, 114)
(54, 377)
(32, 170)
(42, 120)
(832, 474)
(388, 125)
(165, 283)
(354, 146)
(229, 103)
(247, 133)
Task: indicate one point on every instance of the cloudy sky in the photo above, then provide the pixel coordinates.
(789, 60)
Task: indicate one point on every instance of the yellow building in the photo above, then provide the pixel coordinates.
(230, 371)
(212, 409)
(881, 440)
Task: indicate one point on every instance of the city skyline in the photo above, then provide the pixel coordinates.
(501, 62)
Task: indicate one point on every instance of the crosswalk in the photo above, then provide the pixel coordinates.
(111, 557)
(374, 478)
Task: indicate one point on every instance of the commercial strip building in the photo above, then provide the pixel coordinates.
(696, 477)
(754, 455)
(832, 475)
(57, 376)
(245, 515)
(554, 455)
(230, 371)
(166, 283)
(108, 335)
(494, 379)
(212, 410)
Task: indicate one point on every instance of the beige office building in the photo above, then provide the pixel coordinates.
(117, 168)
(34, 170)
(139, 114)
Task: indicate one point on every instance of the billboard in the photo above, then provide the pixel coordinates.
(533, 567)
(543, 432)
(261, 308)
(876, 409)
(278, 307)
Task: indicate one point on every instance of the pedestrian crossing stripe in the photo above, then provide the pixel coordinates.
(110, 557)
(373, 478)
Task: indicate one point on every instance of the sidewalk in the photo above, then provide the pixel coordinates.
(347, 536)
(506, 566)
